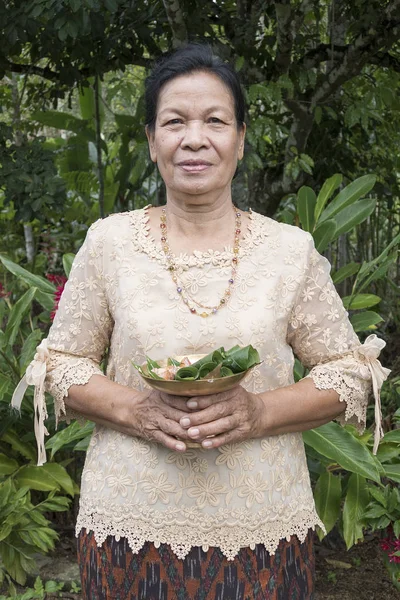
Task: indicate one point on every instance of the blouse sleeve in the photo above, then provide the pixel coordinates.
(77, 340)
(324, 340)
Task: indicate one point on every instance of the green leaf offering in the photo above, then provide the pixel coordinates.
(219, 363)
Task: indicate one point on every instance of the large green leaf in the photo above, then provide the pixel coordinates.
(393, 472)
(18, 311)
(306, 201)
(345, 271)
(6, 386)
(12, 438)
(60, 476)
(360, 301)
(29, 347)
(72, 433)
(327, 495)
(67, 260)
(326, 192)
(7, 465)
(324, 234)
(353, 215)
(46, 300)
(337, 444)
(348, 195)
(36, 478)
(365, 320)
(392, 436)
(355, 504)
(30, 278)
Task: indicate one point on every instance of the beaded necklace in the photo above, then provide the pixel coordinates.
(193, 304)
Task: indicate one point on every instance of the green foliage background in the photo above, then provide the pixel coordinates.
(322, 84)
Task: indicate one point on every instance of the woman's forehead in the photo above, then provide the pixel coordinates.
(201, 89)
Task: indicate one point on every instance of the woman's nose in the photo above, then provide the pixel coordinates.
(195, 136)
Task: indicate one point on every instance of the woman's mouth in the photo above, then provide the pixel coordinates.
(194, 166)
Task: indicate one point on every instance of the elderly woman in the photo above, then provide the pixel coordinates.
(234, 516)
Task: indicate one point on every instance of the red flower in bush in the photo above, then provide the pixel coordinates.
(391, 546)
(59, 281)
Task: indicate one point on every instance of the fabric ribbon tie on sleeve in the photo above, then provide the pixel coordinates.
(36, 375)
(368, 353)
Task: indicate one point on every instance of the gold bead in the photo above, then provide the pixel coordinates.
(236, 250)
(204, 315)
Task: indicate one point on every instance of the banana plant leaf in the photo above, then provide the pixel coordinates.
(187, 373)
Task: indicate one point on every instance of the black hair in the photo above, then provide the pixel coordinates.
(188, 59)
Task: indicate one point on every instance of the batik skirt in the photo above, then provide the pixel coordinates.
(113, 572)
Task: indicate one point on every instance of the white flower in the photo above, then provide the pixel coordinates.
(310, 319)
(270, 359)
(151, 461)
(248, 463)
(332, 315)
(181, 459)
(118, 481)
(253, 489)
(92, 479)
(327, 294)
(307, 294)
(200, 465)
(297, 317)
(158, 488)
(207, 491)
(138, 449)
(194, 281)
(229, 455)
(271, 448)
(77, 289)
(207, 327)
(91, 283)
(181, 323)
(156, 328)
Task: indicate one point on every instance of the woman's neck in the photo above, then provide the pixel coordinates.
(196, 226)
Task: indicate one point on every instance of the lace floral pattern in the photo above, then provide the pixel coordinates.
(119, 296)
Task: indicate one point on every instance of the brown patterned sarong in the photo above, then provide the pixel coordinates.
(113, 572)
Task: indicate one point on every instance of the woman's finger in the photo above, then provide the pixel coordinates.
(178, 402)
(212, 429)
(212, 413)
(201, 402)
(227, 437)
(168, 441)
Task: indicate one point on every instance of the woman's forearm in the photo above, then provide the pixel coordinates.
(299, 407)
(103, 401)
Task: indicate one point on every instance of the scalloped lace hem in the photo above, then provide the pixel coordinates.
(352, 390)
(183, 537)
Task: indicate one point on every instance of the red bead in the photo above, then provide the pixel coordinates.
(237, 231)
(163, 225)
(234, 259)
(163, 239)
(193, 310)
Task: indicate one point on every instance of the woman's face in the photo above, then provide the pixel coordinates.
(196, 143)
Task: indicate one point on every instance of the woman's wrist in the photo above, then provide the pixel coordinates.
(298, 407)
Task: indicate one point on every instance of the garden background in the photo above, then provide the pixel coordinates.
(322, 84)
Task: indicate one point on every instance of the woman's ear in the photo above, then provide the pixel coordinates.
(151, 141)
(242, 134)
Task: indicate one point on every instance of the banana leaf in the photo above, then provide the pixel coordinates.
(187, 374)
(206, 369)
(241, 359)
(216, 356)
(225, 372)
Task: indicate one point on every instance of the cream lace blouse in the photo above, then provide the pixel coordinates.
(120, 296)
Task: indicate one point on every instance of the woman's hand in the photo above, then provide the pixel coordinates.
(156, 416)
(231, 416)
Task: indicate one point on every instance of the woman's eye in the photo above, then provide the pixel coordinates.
(215, 120)
(174, 122)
